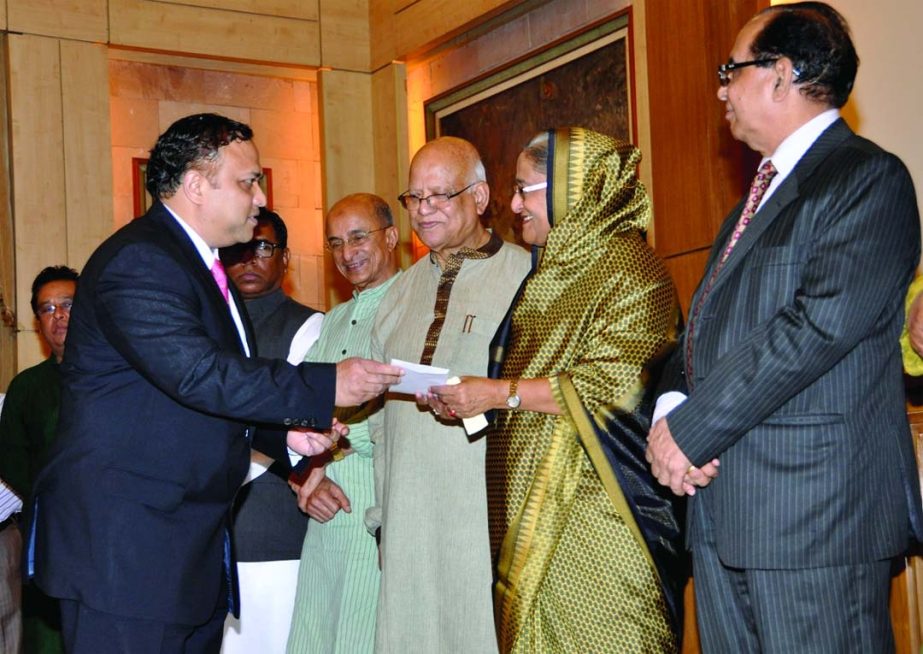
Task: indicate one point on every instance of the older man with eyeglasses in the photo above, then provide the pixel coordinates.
(791, 362)
(268, 528)
(429, 474)
(339, 575)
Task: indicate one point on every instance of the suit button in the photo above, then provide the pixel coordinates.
(287, 422)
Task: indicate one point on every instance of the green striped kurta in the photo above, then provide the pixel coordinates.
(338, 578)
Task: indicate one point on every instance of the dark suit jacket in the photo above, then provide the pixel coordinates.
(131, 512)
(797, 370)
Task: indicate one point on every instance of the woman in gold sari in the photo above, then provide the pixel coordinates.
(587, 543)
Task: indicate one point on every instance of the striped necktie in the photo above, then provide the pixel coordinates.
(757, 190)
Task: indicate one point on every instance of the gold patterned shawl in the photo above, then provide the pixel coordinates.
(573, 570)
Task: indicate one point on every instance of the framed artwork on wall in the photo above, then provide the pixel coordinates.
(142, 200)
(582, 81)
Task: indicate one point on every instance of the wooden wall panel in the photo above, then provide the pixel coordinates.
(87, 148)
(344, 34)
(381, 33)
(3, 23)
(7, 252)
(347, 145)
(37, 154)
(699, 171)
(347, 149)
(303, 9)
(392, 156)
(218, 33)
(416, 26)
(85, 20)
(686, 270)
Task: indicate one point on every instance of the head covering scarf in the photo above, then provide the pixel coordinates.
(586, 541)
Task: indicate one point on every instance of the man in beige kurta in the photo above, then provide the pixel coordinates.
(431, 504)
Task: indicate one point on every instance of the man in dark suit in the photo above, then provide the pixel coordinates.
(268, 528)
(792, 366)
(130, 517)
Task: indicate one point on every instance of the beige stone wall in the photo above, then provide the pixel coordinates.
(67, 194)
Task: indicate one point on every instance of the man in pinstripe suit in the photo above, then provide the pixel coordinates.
(792, 366)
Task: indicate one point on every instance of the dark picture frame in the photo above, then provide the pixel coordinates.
(585, 80)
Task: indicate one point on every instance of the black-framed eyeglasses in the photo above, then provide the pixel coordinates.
(258, 248)
(725, 70)
(353, 239)
(50, 309)
(412, 202)
(521, 190)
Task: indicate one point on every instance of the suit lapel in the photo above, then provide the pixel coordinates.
(244, 318)
(186, 251)
(784, 195)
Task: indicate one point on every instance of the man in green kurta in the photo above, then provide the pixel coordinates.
(338, 578)
(28, 424)
(429, 474)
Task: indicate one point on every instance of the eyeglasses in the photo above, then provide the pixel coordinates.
(258, 248)
(412, 202)
(52, 309)
(520, 190)
(724, 70)
(354, 239)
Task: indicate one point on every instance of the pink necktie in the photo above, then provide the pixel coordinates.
(757, 190)
(221, 278)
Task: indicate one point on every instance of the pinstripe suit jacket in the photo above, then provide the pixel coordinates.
(797, 381)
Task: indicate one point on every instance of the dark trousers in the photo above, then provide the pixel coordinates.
(87, 631)
(837, 609)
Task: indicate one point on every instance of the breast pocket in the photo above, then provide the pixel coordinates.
(771, 280)
(465, 341)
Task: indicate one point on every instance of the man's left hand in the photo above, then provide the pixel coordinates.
(668, 463)
(311, 443)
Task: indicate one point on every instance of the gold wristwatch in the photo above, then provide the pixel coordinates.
(513, 400)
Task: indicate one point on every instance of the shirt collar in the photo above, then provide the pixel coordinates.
(790, 151)
(207, 253)
(375, 291)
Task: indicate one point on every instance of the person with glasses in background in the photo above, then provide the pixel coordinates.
(791, 365)
(339, 577)
(268, 528)
(431, 504)
(28, 425)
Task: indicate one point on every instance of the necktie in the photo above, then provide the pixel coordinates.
(757, 190)
(221, 278)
